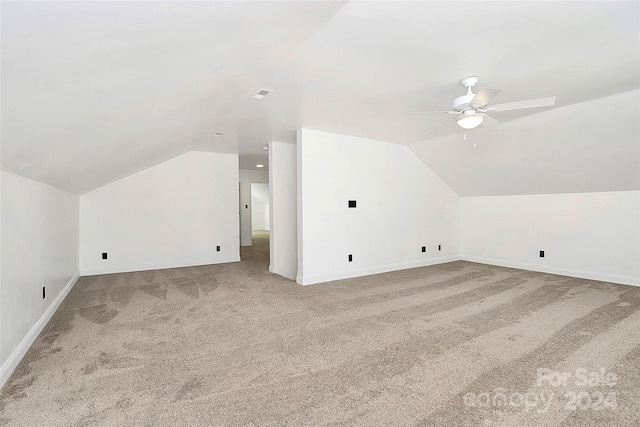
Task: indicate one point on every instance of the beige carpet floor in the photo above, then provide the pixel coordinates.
(458, 344)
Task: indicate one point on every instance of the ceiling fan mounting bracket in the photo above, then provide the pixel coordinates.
(469, 81)
(463, 102)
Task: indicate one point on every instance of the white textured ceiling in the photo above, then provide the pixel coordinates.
(95, 91)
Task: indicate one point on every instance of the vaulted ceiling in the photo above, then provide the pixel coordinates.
(95, 91)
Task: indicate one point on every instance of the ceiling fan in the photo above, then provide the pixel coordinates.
(471, 110)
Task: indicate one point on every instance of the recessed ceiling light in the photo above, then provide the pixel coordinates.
(217, 134)
(259, 166)
(260, 93)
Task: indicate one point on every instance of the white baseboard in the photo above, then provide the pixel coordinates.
(280, 272)
(312, 280)
(12, 362)
(612, 278)
(155, 266)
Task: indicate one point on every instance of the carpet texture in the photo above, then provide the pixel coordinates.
(458, 344)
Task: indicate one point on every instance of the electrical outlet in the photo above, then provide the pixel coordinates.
(352, 203)
(541, 254)
(44, 292)
(424, 249)
(104, 255)
(350, 257)
(217, 248)
(439, 247)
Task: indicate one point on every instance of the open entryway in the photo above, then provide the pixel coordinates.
(254, 197)
(255, 246)
(259, 207)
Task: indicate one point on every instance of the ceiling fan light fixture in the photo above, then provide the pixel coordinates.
(469, 120)
(469, 110)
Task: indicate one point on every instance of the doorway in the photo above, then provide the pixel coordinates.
(258, 249)
(259, 208)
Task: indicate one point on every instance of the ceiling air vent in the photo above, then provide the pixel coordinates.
(260, 93)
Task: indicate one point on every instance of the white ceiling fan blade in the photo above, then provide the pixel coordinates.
(490, 122)
(436, 125)
(529, 103)
(483, 96)
(494, 124)
(433, 112)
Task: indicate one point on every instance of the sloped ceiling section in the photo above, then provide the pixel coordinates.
(587, 147)
(95, 91)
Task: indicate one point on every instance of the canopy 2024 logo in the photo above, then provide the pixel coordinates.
(594, 392)
(583, 400)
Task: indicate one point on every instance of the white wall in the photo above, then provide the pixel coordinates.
(246, 178)
(171, 215)
(39, 248)
(590, 235)
(401, 206)
(283, 210)
(257, 214)
(259, 206)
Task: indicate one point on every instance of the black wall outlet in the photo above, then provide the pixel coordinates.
(246, 206)
(439, 247)
(104, 255)
(541, 254)
(44, 293)
(352, 203)
(350, 257)
(217, 248)
(424, 249)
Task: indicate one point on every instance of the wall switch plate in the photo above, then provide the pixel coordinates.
(541, 254)
(217, 248)
(424, 249)
(352, 203)
(350, 257)
(104, 255)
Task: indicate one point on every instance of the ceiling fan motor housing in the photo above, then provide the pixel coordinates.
(463, 102)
